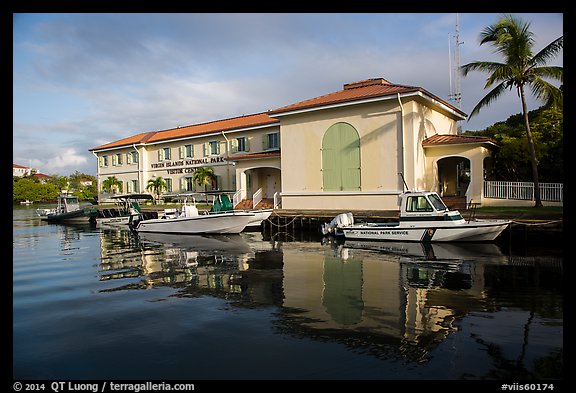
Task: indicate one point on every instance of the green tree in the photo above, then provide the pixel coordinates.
(512, 160)
(512, 39)
(61, 182)
(156, 185)
(204, 175)
(30, 189)
(112, 184)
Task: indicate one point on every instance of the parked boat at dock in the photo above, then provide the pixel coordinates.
(125, 206)
(423, 218)
(187, 219)
(68, 210)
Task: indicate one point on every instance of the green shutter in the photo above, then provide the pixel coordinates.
(330, 162)
(350, 155)
(341, 158)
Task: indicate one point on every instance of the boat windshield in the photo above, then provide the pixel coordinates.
(437, 202)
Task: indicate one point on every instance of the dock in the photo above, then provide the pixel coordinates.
(293, 221)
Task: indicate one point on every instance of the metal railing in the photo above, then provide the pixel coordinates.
(277, 200)
(553, 192)
(256, 198)
(237, 198)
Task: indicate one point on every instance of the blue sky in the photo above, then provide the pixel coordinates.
(82, 80)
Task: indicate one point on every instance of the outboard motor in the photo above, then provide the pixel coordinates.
(341, 220)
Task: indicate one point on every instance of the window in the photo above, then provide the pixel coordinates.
(341, 158)
(240, 144)
(117, 159)
(187, 184)
(418, 204)
(214, 148)
(104, 161)
(272, 141)
(164, 154)
(168, 185)
(186, 151)
(437, 202)
(132, 185)
(211, 148)
(132, 157)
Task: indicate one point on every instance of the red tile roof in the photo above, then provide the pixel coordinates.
(247, 121)
(365, 89)
(441, 140)
(136, 139)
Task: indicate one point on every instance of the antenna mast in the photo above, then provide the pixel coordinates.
(455, 94)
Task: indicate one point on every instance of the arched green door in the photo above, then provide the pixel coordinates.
(341, 158)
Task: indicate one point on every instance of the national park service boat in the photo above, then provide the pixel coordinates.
(423, 218)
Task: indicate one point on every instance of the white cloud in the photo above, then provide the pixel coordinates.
(67, 159)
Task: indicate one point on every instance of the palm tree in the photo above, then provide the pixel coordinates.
(204, 175)
(111, 184)
(512, 39)
(156, 185)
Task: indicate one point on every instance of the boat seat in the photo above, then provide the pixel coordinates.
(190, 211)
(226, 203)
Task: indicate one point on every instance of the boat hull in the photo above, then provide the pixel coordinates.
(259, 217)
(77, 216)
(468, 232)
(209, 223)
(113, 221)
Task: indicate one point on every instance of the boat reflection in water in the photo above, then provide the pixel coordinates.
(389, 300)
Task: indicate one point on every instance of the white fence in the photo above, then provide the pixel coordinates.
(553, 192)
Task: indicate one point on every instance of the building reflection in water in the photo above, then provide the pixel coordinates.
(386, 299)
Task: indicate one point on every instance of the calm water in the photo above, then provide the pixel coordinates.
(95, 303)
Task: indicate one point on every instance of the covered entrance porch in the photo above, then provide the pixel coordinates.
(258, 179)
(457, 166)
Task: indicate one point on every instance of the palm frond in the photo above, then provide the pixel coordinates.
(489, 98)
(549, 52)
(546, 91)
(482, 66)
(552, 72)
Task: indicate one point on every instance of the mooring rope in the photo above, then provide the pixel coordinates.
(281, 225)
(536, 223)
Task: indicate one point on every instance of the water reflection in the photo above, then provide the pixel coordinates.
(388, 300)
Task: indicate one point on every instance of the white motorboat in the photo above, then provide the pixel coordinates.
(188, 220)
(423, 218)
(260, 215)
(125, 206)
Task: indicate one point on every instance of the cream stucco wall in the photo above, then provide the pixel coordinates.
(476, 156)
(176, 168)
(390, 143)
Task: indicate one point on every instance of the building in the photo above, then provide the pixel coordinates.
(356, 148)
(21, 171)
(244, 153)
